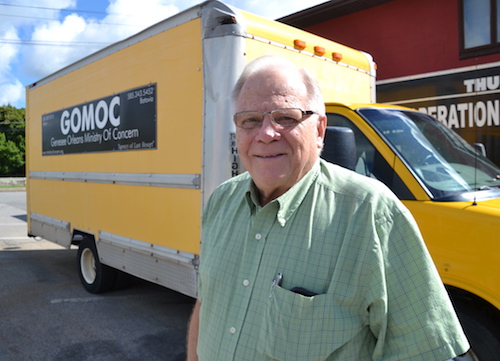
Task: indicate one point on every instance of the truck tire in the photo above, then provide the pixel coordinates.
(481, 323)
(95, 276)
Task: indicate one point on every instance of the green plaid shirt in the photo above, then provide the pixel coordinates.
(345, 238)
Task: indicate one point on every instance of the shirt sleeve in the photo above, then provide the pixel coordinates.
(411, 314)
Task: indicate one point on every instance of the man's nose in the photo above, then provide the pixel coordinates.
(268, 130)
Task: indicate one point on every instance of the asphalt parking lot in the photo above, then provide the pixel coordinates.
(45, 314)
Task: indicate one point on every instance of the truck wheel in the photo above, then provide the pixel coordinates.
(95, 277)
(481, 324)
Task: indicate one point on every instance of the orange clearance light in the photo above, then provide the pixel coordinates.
(227, 20)
(299, 44)
(319, 51)
(337, 56)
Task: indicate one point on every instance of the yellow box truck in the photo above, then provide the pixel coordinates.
(125, 146)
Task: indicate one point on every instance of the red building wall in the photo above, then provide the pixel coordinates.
(405, 37)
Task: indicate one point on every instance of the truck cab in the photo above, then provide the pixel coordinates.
(453, 192)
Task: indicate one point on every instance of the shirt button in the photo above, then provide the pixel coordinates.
(232, 330)
(258, 236)
(246, 283)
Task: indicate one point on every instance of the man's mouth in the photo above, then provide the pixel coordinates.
(268, 156)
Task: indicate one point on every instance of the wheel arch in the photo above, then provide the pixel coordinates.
(480, 321)
(79, 235)
(460, 295)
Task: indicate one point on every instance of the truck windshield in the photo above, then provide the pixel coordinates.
(444, 162)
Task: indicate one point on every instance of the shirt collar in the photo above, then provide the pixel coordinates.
(289, 201)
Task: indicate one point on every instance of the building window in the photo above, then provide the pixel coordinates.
(480, 27)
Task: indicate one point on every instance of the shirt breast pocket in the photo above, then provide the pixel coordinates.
(301, 328)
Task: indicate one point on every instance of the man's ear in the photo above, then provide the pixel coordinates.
(321, 130)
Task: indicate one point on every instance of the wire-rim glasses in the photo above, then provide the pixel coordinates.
(285, 117)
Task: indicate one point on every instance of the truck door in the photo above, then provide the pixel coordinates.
(369, 161)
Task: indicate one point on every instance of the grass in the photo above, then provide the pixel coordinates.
(12, 187)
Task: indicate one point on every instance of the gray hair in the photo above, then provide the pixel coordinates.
(268, 62)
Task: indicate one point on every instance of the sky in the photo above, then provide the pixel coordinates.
(40, 37)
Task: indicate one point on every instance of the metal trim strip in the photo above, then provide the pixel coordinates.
(443, 97)
(191, 181)
(57, 223)
(149, 249)
(439, 73)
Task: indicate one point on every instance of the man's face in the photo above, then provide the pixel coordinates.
(277, 157)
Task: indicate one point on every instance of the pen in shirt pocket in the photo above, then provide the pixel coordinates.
(276, 282)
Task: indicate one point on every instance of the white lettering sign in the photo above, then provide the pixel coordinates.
(466, 115)
(85, 118)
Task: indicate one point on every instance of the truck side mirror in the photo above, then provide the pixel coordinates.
(480, 148)
(340, 147)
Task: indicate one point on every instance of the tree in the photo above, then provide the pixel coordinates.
(12, 141)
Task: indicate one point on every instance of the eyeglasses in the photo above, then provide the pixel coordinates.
(287, 117)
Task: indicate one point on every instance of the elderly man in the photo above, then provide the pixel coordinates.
(304, 260)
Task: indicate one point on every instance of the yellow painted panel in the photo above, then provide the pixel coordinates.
(463, 241)
(338, 83)
(286, 35)
(164, 216)
(173, 60)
